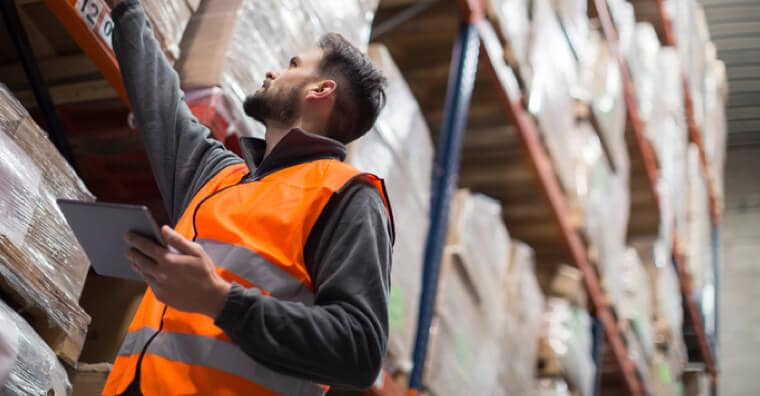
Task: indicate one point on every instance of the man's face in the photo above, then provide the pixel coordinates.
(282, 94)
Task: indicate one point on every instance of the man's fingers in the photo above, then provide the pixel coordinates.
(145, 245)
(177, 241)
(145, 265)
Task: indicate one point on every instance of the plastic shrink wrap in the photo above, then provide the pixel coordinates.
(399, 150)
(603, 90)
(554, 77)
(463, 355)
(666, 305)
(567, 331)
(229, 44)
(33, 367)
(691, 36)
(636, 303)
(524, 304)
(667, 131)
(552, 387)
(42, 266)
(696, 240)
(512, 20)
(464, 351)
(716, 92)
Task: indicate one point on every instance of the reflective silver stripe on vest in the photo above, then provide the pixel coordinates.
(219, 355)
(257, 270)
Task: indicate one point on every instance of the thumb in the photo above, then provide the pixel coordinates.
(177, 241)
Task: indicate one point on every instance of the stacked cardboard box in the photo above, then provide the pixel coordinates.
(169, 20)
(232, 44)
(28, 365)
(470, 311)
(399, 150)
(42, 266)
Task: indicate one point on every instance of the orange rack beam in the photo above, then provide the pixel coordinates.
(90, 25)
(692, 311)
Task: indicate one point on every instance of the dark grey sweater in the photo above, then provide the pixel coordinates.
(342, 338)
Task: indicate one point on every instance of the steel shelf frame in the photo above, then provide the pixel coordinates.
(472, 12)
(690, 303)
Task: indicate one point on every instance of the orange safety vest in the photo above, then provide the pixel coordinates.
(255, 233)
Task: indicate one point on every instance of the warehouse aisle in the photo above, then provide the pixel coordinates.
(740, 275)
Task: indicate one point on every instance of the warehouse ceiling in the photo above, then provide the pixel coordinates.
(735, 29)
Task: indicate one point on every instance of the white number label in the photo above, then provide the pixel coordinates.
(97, 16)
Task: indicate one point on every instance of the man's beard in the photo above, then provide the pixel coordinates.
(283, 108)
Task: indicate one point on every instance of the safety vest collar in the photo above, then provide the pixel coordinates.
(296, 147)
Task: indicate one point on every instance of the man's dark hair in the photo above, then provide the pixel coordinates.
(361, 88)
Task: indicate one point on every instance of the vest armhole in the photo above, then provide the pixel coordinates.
(312, 241)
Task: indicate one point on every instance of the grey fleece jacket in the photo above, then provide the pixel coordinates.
(342, 338)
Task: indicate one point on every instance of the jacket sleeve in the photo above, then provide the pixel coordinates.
(182, 153)
(342, 339)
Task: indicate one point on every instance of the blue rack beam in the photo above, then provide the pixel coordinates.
(464, 66)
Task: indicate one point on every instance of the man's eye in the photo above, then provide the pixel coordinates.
(293, 63)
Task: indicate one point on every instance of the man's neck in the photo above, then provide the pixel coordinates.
(275, 132)
(273, 135)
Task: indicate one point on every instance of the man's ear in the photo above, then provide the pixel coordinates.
(322, 89)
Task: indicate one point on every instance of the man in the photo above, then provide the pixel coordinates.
(277, 275)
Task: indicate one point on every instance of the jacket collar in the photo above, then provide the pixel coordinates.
(296, 147)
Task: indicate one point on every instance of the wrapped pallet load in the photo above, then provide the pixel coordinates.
(566, 344)
(228, 48)
(42, 266)
(715, 128)
(524, 303)
(464, 355)
(399, 150)
(669, 358)
(554, 77)
(27, 366)
(695, 237)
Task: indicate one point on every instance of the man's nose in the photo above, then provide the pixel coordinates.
(272, 75)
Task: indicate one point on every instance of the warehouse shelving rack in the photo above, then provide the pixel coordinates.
(463, 66)
(94, 39)
(657, 14)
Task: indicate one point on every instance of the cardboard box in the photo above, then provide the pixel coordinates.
(90, 379)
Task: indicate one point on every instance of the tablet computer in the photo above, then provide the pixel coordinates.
(100, 229)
